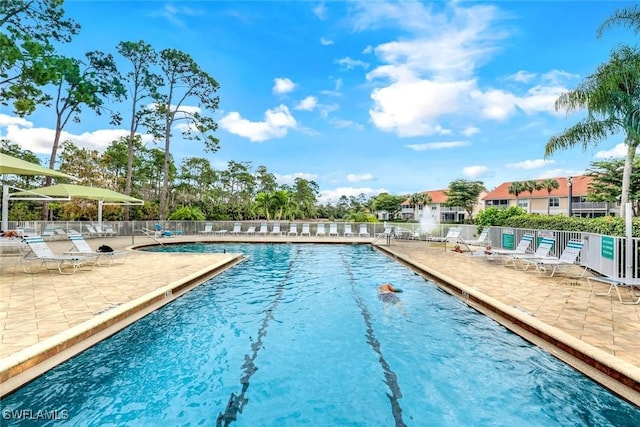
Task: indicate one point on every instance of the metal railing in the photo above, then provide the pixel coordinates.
(606, 255)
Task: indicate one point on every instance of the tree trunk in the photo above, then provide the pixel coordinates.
(626, 176)
(52, 164)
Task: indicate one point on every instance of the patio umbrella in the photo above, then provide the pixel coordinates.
(72, 191)
(10, 165)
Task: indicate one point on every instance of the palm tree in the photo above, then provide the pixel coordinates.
(516, 188)
(418, 199)
(263, 204)
(611, 96)
(549, 184)
(531, 186)
(626, 17)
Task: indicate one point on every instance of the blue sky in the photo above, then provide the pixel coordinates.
(365, 97)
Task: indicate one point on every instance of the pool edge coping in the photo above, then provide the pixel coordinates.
(25, 365)
(617, 375)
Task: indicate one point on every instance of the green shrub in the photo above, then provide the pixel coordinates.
(187, 213)
(608, 225)
(496, 217)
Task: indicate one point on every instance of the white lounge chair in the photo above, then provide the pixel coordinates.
(208, 229)
(263, 229)
(305, 230)
(41, 252)
(13, 245)
(276, 230)
(320, 231)
(82, 248)
(237, 229)
(221, 232)
(251, 231)
(48, 232)
(91, 231)
(109, 230)
(632, 284)
(347, 231)
(544, 247)
(103, 231)
(386, 232)
(567, 258)
(364, 232)
(293, 229)
(522, 248)
(482, 240)
(333, 230)
(453, 234)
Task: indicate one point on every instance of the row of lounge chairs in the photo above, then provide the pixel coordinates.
(80, 257)
(544, 264)
(293, 230)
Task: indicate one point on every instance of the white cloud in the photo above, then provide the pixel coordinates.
(470, 131)
(325, 42)
(559, 173)
(522, 76)
(345, 124)
(321, 11)
(495, 104)
(307, 104)
(620, 150)
(283, 85)
(290, 179)
(359, 178)
(350, 64)
(431, 73)
(40, 140)
(530, 164)
(475, 171)
(276, 124)
(325, 109)
(337, 85)
(410, 105)
(172, 13)
(437, 145)
(558, 77)
(332, 196)
(6, 120)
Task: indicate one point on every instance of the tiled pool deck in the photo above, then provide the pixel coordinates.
(42, 315)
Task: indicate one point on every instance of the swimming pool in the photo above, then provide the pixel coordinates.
(297, 335)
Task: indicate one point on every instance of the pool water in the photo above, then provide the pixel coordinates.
(296, 335)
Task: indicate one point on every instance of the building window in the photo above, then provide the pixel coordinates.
(554, 202)
(433, 208)
(502, 203)
(523, 204)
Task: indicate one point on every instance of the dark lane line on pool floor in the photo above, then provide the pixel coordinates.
(238, 401)
(391, 379)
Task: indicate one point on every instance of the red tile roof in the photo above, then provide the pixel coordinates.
(437, 196)
(580, 185)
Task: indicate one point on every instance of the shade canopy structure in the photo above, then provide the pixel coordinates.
(10, 165)
(72, 191)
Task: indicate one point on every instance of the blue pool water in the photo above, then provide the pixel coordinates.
(296, 335)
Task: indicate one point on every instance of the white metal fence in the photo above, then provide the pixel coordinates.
(601, 254)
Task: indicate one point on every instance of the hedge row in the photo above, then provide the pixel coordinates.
(515, 217)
